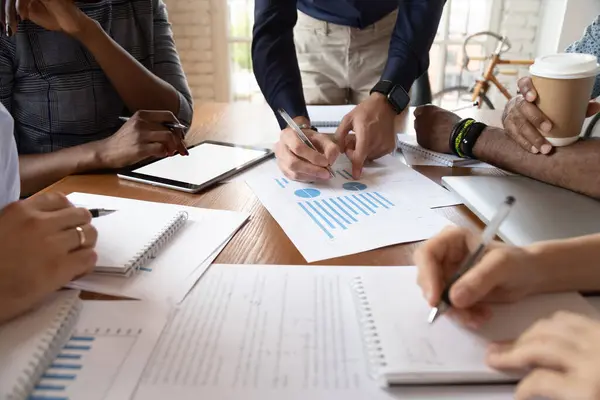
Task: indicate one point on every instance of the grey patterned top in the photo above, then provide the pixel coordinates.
(57, 93)
(589, 44)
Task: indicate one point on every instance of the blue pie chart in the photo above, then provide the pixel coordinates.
(354, 186)
(307, 193)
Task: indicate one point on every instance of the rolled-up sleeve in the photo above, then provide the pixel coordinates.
(589, 44)
(411, 40)
(274, 56)
(167, 64)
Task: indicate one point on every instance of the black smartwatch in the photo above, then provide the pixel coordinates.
(396, 95)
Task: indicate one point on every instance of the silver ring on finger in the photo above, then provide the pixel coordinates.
(82, 238)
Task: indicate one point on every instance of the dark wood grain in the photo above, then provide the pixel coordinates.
(261, 240)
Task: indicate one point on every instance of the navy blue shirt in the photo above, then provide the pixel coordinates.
(274, 55)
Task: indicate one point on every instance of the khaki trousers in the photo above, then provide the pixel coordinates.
(340, 64)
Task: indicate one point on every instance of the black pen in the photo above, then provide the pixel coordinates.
(488, 235)
(170, 125)
(100, 212)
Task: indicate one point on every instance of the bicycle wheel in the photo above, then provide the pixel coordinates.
(458, 96)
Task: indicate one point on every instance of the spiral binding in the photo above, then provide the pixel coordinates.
(55, 337)
(374, 351)
(157, 243)
(327, 124)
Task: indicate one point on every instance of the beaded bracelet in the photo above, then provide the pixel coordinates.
(458, 132)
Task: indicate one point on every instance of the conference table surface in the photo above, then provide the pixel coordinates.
(261, 240)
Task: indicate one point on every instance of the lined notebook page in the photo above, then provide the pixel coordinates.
(29, 343)
(123, 236)
(413, 351)
(409, 143)
(275, 332)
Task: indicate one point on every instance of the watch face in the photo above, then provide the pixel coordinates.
(399, 98)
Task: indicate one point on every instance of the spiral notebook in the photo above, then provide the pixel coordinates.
(328, 118)
(128, 240)
(405, 349)
(408, 143)
(29, 343)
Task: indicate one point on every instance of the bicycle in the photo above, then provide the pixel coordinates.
(478, 91)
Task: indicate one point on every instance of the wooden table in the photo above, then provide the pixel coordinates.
(261, 240)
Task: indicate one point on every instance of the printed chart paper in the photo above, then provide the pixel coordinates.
(343, 216)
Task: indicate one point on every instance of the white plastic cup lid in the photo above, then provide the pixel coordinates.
(565, 66)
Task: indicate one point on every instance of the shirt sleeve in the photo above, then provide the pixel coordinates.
(167, 65)
(7, 54)
(411, 41)
(589, 44)
(274, 56)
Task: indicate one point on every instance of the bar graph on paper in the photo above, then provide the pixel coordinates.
(77, 365)
(332, 214)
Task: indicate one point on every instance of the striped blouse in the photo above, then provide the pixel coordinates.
(56, 91)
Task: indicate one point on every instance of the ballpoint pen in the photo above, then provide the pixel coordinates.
(300, 134)
(100, 212)
(488, 235)
(170, 125)
(475, 104)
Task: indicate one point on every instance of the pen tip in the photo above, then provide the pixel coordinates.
(435, 312)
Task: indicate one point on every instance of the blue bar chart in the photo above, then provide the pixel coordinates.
(80, 361)
(335, 214)
(282, 182)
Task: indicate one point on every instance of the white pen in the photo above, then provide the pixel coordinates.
(300, 134)
(475, 104)
(488, 235)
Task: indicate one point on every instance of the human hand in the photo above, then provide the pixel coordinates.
(373, 124)
(433, 126)
(53, 15)
(299, 162)
(142, 137)
(561, 356)
(40, 250)
(504, 274)
(523, 120)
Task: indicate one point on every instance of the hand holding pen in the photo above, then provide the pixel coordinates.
(464, 270)
(303, 155)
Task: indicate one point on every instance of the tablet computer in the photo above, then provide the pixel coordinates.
(209, 163)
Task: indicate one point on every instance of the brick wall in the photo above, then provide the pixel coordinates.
(199, 29)
(519, 21)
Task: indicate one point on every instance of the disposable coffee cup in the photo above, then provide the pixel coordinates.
(564, 83)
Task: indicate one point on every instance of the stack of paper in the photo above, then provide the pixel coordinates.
(180, 264)
(279, 332)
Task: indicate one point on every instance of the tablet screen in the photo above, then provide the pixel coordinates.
(205, 162)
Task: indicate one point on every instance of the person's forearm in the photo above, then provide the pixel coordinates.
(41, 170)
(568, 265)
(575, 167)
(415, 29)
(274, 57)
(139, 88)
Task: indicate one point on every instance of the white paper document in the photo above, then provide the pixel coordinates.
(343, 216)
(275, 332)
(107, 352)
(175, 270)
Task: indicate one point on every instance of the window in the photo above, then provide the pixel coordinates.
(460, 19)
(241, 18)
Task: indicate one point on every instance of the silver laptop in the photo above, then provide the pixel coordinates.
(541, 212)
